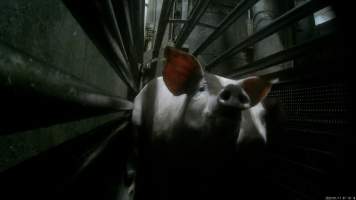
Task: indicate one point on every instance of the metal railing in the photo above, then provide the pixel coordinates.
(116, 28)
(287, 19)
(283, 21)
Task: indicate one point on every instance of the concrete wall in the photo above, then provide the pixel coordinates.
(47, 31)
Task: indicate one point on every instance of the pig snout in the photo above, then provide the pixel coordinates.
(233, 97)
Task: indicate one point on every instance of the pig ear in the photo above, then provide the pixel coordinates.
(182, 71)
(256, 88)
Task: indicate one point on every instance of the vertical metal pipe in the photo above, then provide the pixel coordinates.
(264, 12)
(193, 20)
(305, 27)
(116, 27)
(130, 40)
(238, 10)
(185, 11)
(162, 25)
(140, 21)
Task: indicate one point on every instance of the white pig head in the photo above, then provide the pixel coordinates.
(190, 105)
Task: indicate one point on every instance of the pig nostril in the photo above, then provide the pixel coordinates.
(225, 95)
(242, 98)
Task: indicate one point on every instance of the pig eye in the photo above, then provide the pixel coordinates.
(202, 87)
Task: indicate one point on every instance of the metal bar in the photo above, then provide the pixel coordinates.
(118, 45)
(171, 29)
(37, 95)
(177, 20)
(194, 18)
(127, 71)
(299, 172)
(19, 69)
(287, 188)
(120, 66)
(128, 22)
(198, 24)
(116, 27)
(102, 146)
(315, 171)
(94, 20)
(130, 39)
(185, 9)
(140, 33)
(206, 25)
(162, 24)
(44, 175)
(236, 13)
(286, 19)
(280, 57)
(309, 149)
(222, 4)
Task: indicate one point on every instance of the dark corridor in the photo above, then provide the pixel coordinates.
(70, 70)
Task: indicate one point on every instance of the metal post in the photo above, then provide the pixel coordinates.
(121, 52)
(128, 23)
(286, 19)
(238, 10)
(115, 25)
(264, 12)
(162, 24)
(194, 18)
(139, 33)
(185, 7)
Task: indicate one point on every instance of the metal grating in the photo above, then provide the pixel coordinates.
(306, 154)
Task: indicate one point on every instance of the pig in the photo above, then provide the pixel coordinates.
(191, 125)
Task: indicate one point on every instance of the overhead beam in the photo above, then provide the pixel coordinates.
(193, 20)
(282, 56)
(283, 21)
(235, 14)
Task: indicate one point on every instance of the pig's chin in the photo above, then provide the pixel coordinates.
(225, 120)
(227, 113)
